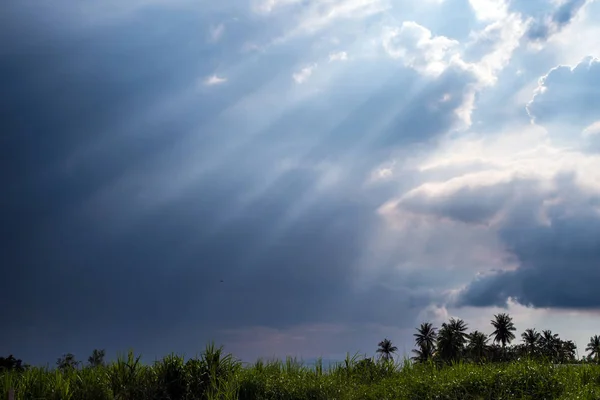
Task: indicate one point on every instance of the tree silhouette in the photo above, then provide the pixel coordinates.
(531, 339)
(425, 341)
(503, 329)
(550, 344)
(451, 340)
(568, 350)
(477, 346)
(386, 349)
(97, 358)
(593, 348)
(11, 363)
(67, 361)
(422, 355)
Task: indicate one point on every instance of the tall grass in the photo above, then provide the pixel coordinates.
(216, 375)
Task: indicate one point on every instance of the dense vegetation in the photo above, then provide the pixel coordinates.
(452, 343)
(448, 363)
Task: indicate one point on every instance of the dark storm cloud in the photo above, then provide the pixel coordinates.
(67, 283)
(557, 260)
(85, 289)
(468, 204)
(167, 271)
(558, 268)
(93, 259)
(544, 27)
(551, 236)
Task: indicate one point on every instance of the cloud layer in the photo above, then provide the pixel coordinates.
(290, 176)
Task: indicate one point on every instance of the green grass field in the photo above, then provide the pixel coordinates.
(215, 375)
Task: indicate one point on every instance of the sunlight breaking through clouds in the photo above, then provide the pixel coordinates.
(418, 49)
(315, 16)
(320, 157)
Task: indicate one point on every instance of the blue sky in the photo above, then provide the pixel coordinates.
(347, 168)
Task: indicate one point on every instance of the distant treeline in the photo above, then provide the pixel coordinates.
(452, 343)
(448, 363)
(448, 344)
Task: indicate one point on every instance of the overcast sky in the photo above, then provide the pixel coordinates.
(347, 168)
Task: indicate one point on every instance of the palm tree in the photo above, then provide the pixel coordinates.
(550, 344)
(477, 345)
(568, 351)
(593, 348)
(451, 339)
(425, 341)
(531, 339)
(504, 329)
(459, 327)
(425, 335)
(386, 349)
(423, 354)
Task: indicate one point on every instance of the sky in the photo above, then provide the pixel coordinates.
(295, 177)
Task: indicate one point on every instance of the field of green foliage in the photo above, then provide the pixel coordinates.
(215, 375)
(448, 363)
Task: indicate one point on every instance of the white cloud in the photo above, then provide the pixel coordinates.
(305, 73)
(567, 97)
(592, 130)
(491, 50)
(500, 39)
(216, 32)
(488, 51)
(484, 175)
(579, 38)
(339, 56)
(267, 6)
(489, 10)
(417, 48)
(323, 13)
(214, 80)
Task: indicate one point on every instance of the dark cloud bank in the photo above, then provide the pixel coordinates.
(87, 265)
(558, 258)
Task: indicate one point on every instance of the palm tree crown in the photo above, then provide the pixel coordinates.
(426, 335)
(549, 343)
(425, 341)
(451, 339)
(477, 346)
(593, 347)
(386, 349)
(531, 339)
(503, 329)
